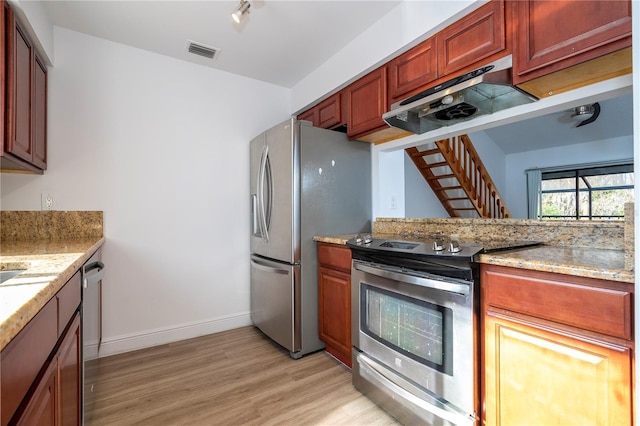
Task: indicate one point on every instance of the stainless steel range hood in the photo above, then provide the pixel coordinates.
(463, 98)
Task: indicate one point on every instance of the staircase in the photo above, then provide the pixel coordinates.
(457, 176)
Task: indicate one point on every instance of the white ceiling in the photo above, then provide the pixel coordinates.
(279, 42)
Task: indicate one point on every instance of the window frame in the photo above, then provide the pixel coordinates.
(580, 174)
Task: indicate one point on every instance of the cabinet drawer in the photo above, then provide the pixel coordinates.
(68, 301)
(560, 298)
(335, 256)
(24, 356)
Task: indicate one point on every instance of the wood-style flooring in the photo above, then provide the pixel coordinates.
(237, 377)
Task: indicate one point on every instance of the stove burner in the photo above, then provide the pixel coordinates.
(462, 110)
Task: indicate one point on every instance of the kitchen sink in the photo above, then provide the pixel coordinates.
(7, 275)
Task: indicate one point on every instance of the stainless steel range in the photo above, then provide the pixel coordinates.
(415, 327)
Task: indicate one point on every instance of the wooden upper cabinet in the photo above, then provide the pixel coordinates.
(328, 114)
(366, 102)
(20, 74)
(553, 35)
(25, 90)
(411, 71)
(331, 113)
(479, 36)
(309, 115)
(39, 120)
(3, 77)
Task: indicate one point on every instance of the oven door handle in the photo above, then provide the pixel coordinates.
(412, 279)
(381, 379)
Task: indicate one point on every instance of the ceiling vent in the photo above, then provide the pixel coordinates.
(202, 50)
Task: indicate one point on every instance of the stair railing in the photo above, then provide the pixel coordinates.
(466, 164)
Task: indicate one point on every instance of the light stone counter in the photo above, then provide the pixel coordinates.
(51, 246)
(576, 261)
(568, 247)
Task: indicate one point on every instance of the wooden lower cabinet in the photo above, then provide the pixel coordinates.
(40, 369)
(69, 366)
(540, 370)
(539, 377)
(56, 398)
(334, 300)
(41, 409)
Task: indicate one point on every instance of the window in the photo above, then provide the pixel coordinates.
(591, 193)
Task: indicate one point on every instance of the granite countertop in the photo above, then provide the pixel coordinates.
(576, 261)
(49, 265)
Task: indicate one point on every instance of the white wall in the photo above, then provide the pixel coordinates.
(591, 152)
(420, 200)
(162, 147)
(388, 196)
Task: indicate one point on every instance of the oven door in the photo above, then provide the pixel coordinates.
(414, 339)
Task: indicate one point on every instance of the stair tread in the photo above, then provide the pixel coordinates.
(439, 164)
(441, 176)
(427, 152)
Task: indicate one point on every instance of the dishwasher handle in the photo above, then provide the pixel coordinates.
(92, 273)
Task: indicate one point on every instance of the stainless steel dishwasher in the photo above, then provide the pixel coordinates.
(92, 274)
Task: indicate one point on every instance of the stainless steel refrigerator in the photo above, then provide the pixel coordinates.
(305, 181)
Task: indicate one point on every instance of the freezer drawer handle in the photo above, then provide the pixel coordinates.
(268, 268)
(93, 273)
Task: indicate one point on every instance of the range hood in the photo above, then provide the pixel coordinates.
(463, 98)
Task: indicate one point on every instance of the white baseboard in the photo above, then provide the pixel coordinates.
(160, 336)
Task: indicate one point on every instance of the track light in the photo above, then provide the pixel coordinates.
(241, 11)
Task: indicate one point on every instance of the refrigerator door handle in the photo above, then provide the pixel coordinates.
(265, 174)
(255, 227)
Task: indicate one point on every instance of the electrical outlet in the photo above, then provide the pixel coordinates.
(46, 201)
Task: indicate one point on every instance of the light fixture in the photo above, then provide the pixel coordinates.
(583, 112)
(586, 114)
(241, 11)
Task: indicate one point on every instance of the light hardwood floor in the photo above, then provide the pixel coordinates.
(236, 377)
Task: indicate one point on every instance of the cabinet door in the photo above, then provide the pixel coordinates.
(20, 75)
(330, 112)
(481, 35)
(550, 378)
(366, 102)
(69, 363)
(554, 35)
(309, 115)
(3, 76)
(410, 72)
(39, 114)
(41, 409)
(334, 310)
